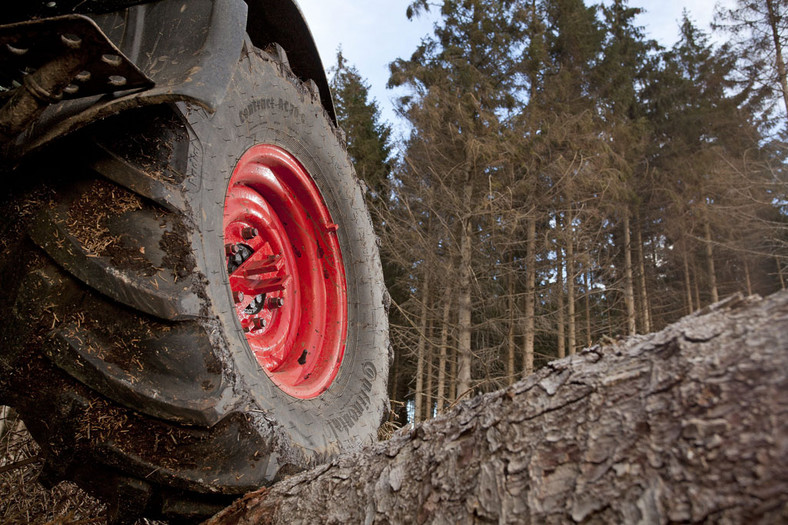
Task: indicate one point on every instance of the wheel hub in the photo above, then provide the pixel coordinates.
(285, 270)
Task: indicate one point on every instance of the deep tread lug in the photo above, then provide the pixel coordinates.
(174, 377)
(194, 465)
(128, 172)
(168, 372)
(128, 502)
(280, 55)
(161, 294)
(311, 85)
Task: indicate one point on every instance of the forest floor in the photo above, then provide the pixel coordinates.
(23, 499)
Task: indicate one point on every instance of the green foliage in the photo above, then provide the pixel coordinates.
(368, 139)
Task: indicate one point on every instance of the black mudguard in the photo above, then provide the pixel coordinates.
(188, 49)
(281, 21)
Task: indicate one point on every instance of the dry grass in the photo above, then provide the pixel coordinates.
(22, 498)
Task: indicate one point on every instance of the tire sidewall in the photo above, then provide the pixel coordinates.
(265, 105)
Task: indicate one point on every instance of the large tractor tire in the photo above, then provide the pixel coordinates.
(193, 304)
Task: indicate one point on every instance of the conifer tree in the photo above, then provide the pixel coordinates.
(459, 80)
(759, 31)
(368, 138)
(703, 152)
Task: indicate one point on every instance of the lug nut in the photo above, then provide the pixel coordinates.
(249, 233)
(275, 302)
(258, 323)
(238, 296)
(230, 249)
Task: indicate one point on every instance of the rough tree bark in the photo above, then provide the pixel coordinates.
(685, 425)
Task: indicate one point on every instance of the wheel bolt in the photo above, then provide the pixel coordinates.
(238, 296)
(249, 233)
(275, 302)
(230, 249)
(258, 323)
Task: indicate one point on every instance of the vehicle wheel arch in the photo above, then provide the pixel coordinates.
(283, 22)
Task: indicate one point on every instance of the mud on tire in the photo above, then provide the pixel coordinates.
(124, 346)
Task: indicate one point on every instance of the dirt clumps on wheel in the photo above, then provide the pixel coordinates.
(194, 304)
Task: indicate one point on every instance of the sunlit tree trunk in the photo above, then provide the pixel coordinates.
(687, 279)
(428, 373)
(629, 289)
(443, 350)
(530, 287)
(644, 302)
(570, 285)
(696, 286)
(452, 374)
(511, 343)
(747, 276)
(587, 283)
(710, 262)
(559, 288)
(464, 305)
(421, 349)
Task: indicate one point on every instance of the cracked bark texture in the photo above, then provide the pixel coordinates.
(684, 425)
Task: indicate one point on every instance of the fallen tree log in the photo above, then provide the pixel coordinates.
(689, 424)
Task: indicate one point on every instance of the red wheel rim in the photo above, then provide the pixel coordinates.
(286, 273)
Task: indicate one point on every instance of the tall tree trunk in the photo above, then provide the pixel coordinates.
(710, 262)
(570, 285)
(453, 375)
(511, 344)
(420, 351)
(464, 309)
(443, 350)
(747, 276)
(644, 303)
(696, 286)
(778, 50)
(530, 288)
(394, 379)
(428, 373)
(559, 287)
(687, 277)
(683, 426)
(629, 288)
(587, 284)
